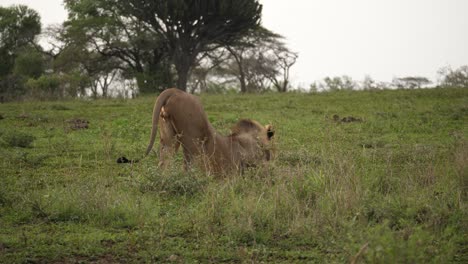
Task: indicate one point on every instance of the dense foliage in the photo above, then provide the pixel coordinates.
(19, 26)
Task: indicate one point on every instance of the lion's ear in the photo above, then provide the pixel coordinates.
(270, 131)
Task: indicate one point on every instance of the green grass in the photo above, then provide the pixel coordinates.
(393, 185)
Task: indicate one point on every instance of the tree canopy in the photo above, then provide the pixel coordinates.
(102, 26)
(149, 37)
(19, 26)
(189, 27)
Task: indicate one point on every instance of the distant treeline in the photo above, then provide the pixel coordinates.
(448, 77)
(122, 48)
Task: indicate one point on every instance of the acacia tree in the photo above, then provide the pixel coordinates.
(206, 64)
(191, 27)
(280, 59)
(258, 60)
(245, 62)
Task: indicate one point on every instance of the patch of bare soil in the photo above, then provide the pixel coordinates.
(77, 123)
(346, 119)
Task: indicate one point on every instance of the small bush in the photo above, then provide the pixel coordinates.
(46, 86)
(18, 139)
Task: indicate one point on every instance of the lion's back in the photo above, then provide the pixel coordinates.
(188, 115)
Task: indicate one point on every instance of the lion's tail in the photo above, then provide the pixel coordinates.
(160, 102)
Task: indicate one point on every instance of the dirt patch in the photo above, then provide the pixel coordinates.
(350, 119)
(77, 123)
(107, 242)
(346, 119)
(23, 116)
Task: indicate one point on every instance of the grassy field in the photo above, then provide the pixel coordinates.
(388, 185)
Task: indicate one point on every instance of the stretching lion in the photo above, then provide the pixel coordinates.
(183, 122)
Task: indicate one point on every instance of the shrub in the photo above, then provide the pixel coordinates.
(45, 86)
(18, 139)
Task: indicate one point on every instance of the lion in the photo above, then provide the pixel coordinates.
(182, 122)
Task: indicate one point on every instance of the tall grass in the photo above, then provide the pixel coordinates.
(391, 188)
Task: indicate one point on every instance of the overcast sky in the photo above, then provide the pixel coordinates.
(380, 38)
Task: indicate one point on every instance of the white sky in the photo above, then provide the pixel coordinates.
(381, 38)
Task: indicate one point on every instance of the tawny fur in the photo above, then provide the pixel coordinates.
(183, 122)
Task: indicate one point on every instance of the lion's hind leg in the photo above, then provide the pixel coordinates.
(169, 144)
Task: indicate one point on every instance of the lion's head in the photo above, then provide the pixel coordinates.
(255, 137)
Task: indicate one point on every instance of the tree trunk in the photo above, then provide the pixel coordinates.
(182, 78)
(183, 63)
(243, 85)
(239, 61)
(285, 86)
(94, 89)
